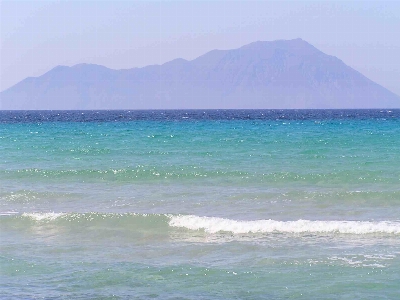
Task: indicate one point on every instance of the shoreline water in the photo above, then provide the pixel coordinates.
(200, 205)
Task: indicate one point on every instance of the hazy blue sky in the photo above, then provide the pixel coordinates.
(38, 35)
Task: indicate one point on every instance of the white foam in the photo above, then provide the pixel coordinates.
(8, 213)
(213, 225)
(43, 216)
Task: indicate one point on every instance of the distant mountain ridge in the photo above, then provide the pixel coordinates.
(277, 74)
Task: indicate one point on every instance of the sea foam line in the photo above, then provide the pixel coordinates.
(213, 225)
(43, 216)
(8, 213)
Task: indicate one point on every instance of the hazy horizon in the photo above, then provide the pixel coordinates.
(274, 74)
(37, 36)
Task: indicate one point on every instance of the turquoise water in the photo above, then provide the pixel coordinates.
(200, 205)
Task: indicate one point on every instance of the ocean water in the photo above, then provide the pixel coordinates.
(252, 204)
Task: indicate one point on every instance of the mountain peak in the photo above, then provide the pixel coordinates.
(89, 66)
(176, 61)
(296, 45)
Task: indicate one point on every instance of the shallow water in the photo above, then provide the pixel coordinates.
(200, 204)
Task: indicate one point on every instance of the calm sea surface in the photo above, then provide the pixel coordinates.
(236, 204)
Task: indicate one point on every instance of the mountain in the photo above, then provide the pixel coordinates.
(277, 74)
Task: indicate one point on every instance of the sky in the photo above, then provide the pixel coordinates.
(36, 36)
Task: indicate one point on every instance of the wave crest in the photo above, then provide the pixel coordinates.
(43, 216)
(214, 225)
(135, 221)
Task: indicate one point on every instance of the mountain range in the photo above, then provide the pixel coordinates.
(278, 74)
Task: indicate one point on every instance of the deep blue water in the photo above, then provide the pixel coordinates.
(189, 115)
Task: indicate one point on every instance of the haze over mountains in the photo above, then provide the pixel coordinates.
(278, 74)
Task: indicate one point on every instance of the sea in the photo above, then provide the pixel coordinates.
(200, 204)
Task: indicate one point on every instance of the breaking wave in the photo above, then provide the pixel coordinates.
(213, 225)
(210, 225)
